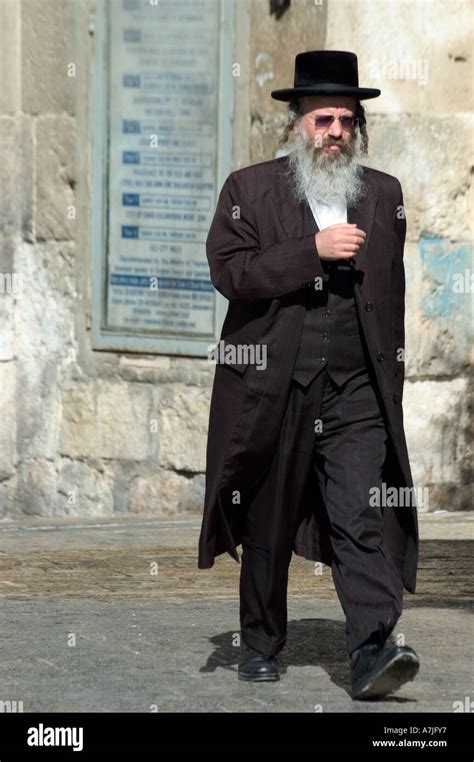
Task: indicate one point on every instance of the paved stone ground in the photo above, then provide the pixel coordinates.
(114, 615)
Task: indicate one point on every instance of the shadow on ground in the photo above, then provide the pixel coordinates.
(310, 643)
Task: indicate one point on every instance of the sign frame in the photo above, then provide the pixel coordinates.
(103, 337)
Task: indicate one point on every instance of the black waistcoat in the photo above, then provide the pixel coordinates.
(331, 337)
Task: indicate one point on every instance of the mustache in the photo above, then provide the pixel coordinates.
(346, 148)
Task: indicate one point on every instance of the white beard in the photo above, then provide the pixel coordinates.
(327, 177)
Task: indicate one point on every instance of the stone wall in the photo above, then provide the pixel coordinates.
(94, 433)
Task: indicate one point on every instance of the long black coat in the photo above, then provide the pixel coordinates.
(262, 258)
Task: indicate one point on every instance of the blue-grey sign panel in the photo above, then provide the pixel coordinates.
(163, 101)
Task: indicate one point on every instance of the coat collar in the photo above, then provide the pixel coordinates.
(298, 220)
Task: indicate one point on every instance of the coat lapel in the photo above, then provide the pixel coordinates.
(296, 217)
(363, 214)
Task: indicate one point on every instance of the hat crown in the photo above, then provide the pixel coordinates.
(334, 67)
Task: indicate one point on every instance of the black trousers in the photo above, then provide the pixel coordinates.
(349, 451)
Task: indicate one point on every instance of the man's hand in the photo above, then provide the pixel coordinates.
(340, 241)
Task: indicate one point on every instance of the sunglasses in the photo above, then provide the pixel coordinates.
(323, 122)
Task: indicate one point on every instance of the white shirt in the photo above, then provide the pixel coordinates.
(326, 215)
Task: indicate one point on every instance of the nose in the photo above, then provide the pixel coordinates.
(335, 130)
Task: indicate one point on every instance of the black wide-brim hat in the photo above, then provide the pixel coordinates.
(326, 72)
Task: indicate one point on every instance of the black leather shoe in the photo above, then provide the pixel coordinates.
(255, 666)
(378, 671)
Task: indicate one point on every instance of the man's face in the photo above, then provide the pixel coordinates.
(325, 125)
(324, 162)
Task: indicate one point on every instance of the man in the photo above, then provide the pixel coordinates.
(302, 452)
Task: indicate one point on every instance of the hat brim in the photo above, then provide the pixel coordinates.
(362, 93)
